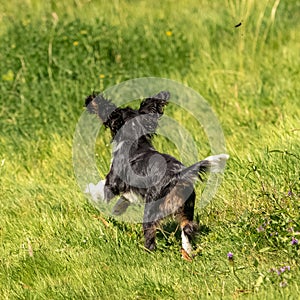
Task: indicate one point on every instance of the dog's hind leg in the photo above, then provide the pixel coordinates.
(151, 219)
(185, 216)
(149, 230)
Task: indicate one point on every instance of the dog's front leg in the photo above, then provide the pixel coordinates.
(108, 193)
(114, 186)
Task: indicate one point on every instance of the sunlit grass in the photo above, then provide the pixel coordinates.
(56, 245)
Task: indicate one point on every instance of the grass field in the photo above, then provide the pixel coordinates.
(54, 243)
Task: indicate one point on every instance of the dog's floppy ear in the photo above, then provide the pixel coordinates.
(155, 104)
(97, 104)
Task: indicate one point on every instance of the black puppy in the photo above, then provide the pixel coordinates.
(164, 183)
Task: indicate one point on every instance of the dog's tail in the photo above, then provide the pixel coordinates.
(213, 164)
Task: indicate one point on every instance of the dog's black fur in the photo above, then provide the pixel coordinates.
(162, 181)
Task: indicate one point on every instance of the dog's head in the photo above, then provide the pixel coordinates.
(142, 121)
(155, 104)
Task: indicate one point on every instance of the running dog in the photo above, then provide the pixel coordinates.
(137, 168)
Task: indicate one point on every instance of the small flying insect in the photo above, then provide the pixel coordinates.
(238, 25)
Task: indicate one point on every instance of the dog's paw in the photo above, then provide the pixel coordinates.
(121, 206)
(185, 255)
(150, 246)
(188, 232)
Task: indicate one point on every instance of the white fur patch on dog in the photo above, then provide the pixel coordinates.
(186, 245)
(96, 191)
(132, 197)
(217, 162)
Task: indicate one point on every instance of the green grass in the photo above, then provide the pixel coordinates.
(54, 244)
